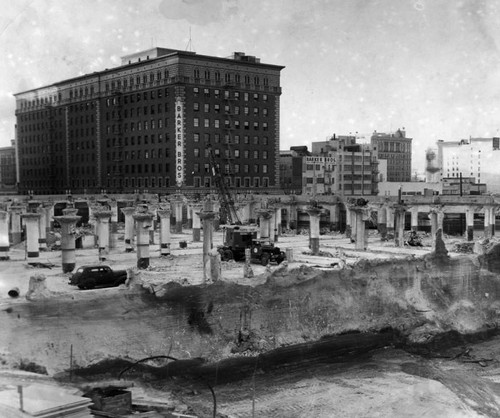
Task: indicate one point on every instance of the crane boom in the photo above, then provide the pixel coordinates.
(228, 209)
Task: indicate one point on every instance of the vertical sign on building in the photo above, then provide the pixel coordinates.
(179, 142)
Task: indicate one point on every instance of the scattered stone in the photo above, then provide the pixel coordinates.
(38, 288)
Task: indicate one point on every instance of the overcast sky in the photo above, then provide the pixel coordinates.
(431, 66)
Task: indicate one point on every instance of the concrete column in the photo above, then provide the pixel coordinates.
(196, 223)
(215, 265)
(486, 222)
(433, 216)
(165, 240)
(399, 237)
(32, 236)
(178, 215)
(49, 214)
(279, 226)
(42, 228)
(113, 239)
(207, 218)
(154, 211)
(102, 228)
(334, 218)
(4, 235)
(190, 216)
(68, 255)
(292, 217)
(247, 270)
(314, 216)
(272, 226)
(493, 220)
(469, 221)
(129, 228)
(353, 222)
(360, 228)
(390, 222)
(217, 217)
(15, 224)
(382, 222)
(264, 222)
(143, 222)
(414, 218)
(348, 225)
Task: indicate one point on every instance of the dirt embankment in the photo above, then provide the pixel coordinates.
(418, 297)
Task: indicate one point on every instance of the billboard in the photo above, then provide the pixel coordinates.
(179, 142)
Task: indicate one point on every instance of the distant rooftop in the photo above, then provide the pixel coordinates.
(160, 52)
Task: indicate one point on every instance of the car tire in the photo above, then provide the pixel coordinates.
(227, 255)
(120, 281)
(89, 284)
(264, 260)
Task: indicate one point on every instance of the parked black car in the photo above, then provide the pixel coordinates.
(88, 277)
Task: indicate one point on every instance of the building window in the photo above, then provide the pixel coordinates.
(264, 168)
(206, 92)
(196, 152)
(256, 126)
(216, 123)
(207, 75)
(196, 137)
(207, 123)
(246, 125)
(256, 154)
(236, 153)
(196, 91)
(196, 73)
(196, 122)
(264, 155)
(206, 107)
(196, 106)
(217, 76)
(246, 154)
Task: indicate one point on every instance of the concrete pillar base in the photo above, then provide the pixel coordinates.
(190, 223)
(165, 249)
(315, 245)
(348, 231)
(68, 267)
(334, 226)
(16, 237)
(470, 233)
(390, 234)
(143, 263)
(382, 229)
(151, 237)
(178, 227)
(196, 235)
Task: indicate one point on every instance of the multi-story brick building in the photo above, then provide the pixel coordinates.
(347, 168)
(8, 177)
(150, 123)
(395, 148)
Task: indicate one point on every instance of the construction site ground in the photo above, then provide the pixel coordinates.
(386, 383)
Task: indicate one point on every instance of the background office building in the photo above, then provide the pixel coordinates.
(150, 124)
(475, 158)
(395, 148)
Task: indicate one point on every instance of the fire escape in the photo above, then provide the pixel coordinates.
(51, 151)
(117, 142)
(227, 156)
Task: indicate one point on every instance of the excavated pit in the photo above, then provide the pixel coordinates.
(294, 313)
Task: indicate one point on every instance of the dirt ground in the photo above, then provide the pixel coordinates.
(390, 383)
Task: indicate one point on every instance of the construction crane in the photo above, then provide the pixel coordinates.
(228, 212)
